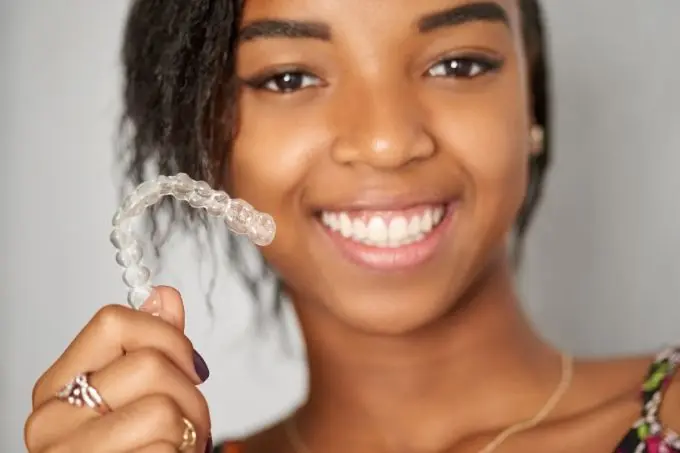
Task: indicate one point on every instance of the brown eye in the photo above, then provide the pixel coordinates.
(466, 68)
(287, 82)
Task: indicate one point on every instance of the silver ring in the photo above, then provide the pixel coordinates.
(79, 393)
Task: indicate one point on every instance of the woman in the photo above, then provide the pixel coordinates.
(398, 145)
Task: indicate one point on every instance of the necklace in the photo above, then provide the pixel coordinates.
(299, 446)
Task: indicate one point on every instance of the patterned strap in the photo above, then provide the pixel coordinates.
(648, 435)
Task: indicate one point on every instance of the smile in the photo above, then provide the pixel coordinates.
(389, 229)
(388, 239)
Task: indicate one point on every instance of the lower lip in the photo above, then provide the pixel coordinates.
(392, 259)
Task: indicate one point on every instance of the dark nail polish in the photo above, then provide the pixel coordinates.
(209, 446)
(201, 367)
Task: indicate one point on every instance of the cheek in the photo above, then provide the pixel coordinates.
(488, 136)
(271, 153)
(493, 152)
(268, 165)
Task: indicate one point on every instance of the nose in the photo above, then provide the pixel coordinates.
(382, 127)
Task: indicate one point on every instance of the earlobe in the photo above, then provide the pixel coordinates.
(536, 139)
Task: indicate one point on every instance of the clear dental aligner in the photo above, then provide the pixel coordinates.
(241, 218)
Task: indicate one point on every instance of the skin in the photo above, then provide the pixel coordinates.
(373, 124)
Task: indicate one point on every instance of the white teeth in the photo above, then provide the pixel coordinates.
(397, 231)
(359, 229)
(345, 225)
(414, 226)
(426, 221)
(377, 231)
(437, 215)
(400, 231)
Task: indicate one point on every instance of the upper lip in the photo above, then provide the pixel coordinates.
(386, 201)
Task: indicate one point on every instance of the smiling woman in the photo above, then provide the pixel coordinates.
(380, 120)
(397, 144)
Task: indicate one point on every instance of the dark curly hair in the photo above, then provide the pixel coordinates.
(180, 93)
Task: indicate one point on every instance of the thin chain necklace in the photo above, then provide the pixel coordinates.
(299, 446)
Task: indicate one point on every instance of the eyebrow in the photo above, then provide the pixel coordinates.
(471, 12)
(269, 28)
(293, 29)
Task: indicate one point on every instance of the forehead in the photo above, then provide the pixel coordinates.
(375, 15)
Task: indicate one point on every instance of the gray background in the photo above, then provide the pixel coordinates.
(601, 275)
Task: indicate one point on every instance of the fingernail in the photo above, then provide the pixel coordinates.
(209, 446)
(201, 367)
(153, 304)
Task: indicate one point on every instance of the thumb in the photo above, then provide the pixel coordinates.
(166, 303)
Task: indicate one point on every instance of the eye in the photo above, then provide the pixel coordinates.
(286, 82)
(467, 68)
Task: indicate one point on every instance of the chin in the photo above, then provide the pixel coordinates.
(391, 317)
(394, 309)
(414, 305)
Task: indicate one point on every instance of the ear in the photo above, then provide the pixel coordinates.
(536, 140)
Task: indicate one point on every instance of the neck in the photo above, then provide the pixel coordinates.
(477, 371)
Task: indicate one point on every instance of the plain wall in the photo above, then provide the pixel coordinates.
(601, 274)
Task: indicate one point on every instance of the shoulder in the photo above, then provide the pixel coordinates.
(661, 396)
(658, 424)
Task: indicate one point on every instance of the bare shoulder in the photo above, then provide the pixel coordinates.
(659, 390)
(626, 402)
(664, 381)
(670, 406)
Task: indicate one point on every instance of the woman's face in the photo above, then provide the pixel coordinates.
(389, 140)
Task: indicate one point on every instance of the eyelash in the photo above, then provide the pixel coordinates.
(297, 77)
(477, 66)
(472, 67)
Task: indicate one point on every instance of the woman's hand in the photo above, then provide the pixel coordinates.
(146, 372)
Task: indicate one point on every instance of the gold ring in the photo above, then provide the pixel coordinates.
(189, 436)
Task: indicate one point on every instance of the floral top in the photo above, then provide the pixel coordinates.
(647, 435)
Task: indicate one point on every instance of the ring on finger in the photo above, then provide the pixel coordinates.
(188, 437)
(79, 393)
